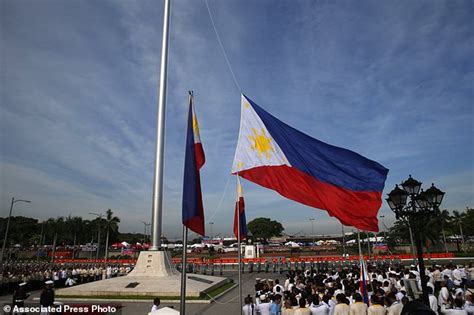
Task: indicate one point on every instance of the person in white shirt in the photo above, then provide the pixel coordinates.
(287, 282)
(376, 308)
(469, 305)
(394, 306)
(358, 307)
(317, 308)
(302, 310)
(447, 272)
(249, 308)
(457, 277)
(342, 306)
(443, 297)
(456, 310)
(156, 305)
(264, 306)
(433, 300)
(278, 285)
(70, 282)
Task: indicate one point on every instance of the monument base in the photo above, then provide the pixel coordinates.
(153, 276)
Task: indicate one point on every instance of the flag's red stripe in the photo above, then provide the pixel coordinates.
(354, 208)
(199, 153)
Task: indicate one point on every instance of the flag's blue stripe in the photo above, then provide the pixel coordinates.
(325, 162)
(243, 225)
(190, 193)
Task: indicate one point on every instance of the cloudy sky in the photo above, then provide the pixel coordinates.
(392, 80)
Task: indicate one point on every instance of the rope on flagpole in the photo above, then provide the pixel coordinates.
(220, 201)
(222, 47)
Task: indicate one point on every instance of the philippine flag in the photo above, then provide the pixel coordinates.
(364, 278)
(239, 213)
(276, 156)
(193, 210)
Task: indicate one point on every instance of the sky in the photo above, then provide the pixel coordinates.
(391, 80)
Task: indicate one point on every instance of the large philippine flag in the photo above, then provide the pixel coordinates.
(239, 213)
(276, 156)
(193, 210)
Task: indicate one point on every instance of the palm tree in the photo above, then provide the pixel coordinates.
(444, 218)
(56, 226)
(74, 225)
(111, 224)
(458, 218)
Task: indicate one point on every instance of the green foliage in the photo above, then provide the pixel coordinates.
(432, 228)
(22, 230)
(69, 230)
(264, 228)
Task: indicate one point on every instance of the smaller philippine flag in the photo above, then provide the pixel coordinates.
(193, 210)
(364, 278)
(239, 214)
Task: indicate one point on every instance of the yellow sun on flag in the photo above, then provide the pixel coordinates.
(195, 125)
(261, 143)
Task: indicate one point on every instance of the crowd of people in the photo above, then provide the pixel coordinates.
(390, 289)
(34, 274)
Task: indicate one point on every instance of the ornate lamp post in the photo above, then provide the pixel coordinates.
(8, 226)
(421, 206)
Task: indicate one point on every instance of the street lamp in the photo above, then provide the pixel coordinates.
(422, 206)
(312, 228)
(100, 216)
(399, 196)
(8, 225)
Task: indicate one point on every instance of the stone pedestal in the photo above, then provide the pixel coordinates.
(153, 276)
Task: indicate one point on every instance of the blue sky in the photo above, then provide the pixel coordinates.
(392, 80)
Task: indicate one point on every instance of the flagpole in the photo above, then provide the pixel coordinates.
(360, 247)
(182, 307)
(240, 249)
(368, 243)
(157, 200)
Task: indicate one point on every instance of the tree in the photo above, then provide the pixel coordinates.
(111, 224)
(57, 228)
(75, 226)
(264, 228)
(443, 218)
(458, 219)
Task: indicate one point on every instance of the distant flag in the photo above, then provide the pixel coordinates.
(193, 210)
(276, 156)
(240, 211)
(364, 278)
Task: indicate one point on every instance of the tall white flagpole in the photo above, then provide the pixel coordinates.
(238, 244)
(157, 201)
(182, 307)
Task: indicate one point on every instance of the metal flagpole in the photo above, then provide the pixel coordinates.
(360, 247)
(157, 201)
(238, 244)
(343, 242)
(182, 308)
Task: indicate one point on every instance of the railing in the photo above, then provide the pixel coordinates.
(226, 261)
